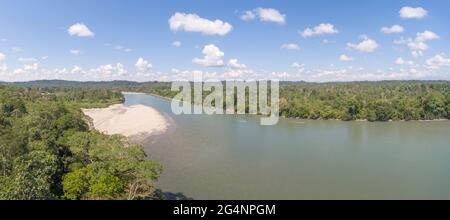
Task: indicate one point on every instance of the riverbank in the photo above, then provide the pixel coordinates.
(137, 121)
(321, 119)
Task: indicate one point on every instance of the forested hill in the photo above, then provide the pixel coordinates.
(372, 101)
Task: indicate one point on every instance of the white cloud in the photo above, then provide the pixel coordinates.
(75, 51)
(3, 68)
(105, 72)
(128, 50)
(194, 23)
(290, 46)
(213, 57)
(31, 67)
(76, 69)
(320, 29)
(418, 45)
(401, 61)
(417, 53)
(264, 14)
(393, 29)
(2, 57)
(299, 67)
(345, 58)
(439, 60)
(233, 64)
(271, 15)
(409, 12)
(80, 30)
(426, 36)
(44, 57)
(248, 16)
(121, 71)
(280, 75)
(143, 66)
(367, 45)
(176, 44)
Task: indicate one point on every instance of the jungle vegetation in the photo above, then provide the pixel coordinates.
(371, 101)
(48, 152)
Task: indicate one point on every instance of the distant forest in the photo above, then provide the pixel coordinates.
(372, 101)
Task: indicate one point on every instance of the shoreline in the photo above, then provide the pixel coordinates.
(319, 119)
(135, 122)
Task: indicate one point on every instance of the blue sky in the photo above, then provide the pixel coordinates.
(134, 40)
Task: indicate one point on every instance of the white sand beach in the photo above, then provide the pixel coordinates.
(132, 121)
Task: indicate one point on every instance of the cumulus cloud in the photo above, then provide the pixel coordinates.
(233, 64)
(213, 57)
(366, 45)
(412, 13)
(401, 61)
(248, 16)
(143, 66)
(417, 53)
(290, 46)
(80, 30)
(2, 57)
(320, 29)
(271, 15)
(439, 60)
(3, 68)
(393, 29)
(76, 70)
(176, 44)
(103, 72)
(194, 23)
(344, 57)
(426, 36)
(299, 67)
(418, 45)
(32, 67)
(264, 14)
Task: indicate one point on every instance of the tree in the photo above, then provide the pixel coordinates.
(32, 177)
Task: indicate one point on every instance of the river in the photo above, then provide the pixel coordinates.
(234, 157)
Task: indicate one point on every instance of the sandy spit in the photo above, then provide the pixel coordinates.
(132, 121)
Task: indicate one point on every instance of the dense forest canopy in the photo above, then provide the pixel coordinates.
(48, 152)
(372, 101)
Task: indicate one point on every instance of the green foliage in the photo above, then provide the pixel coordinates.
(398, 100)
(47, 151)
(32, 177)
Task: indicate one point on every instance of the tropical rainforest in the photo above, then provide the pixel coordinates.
(48, 151)
(371, 101)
